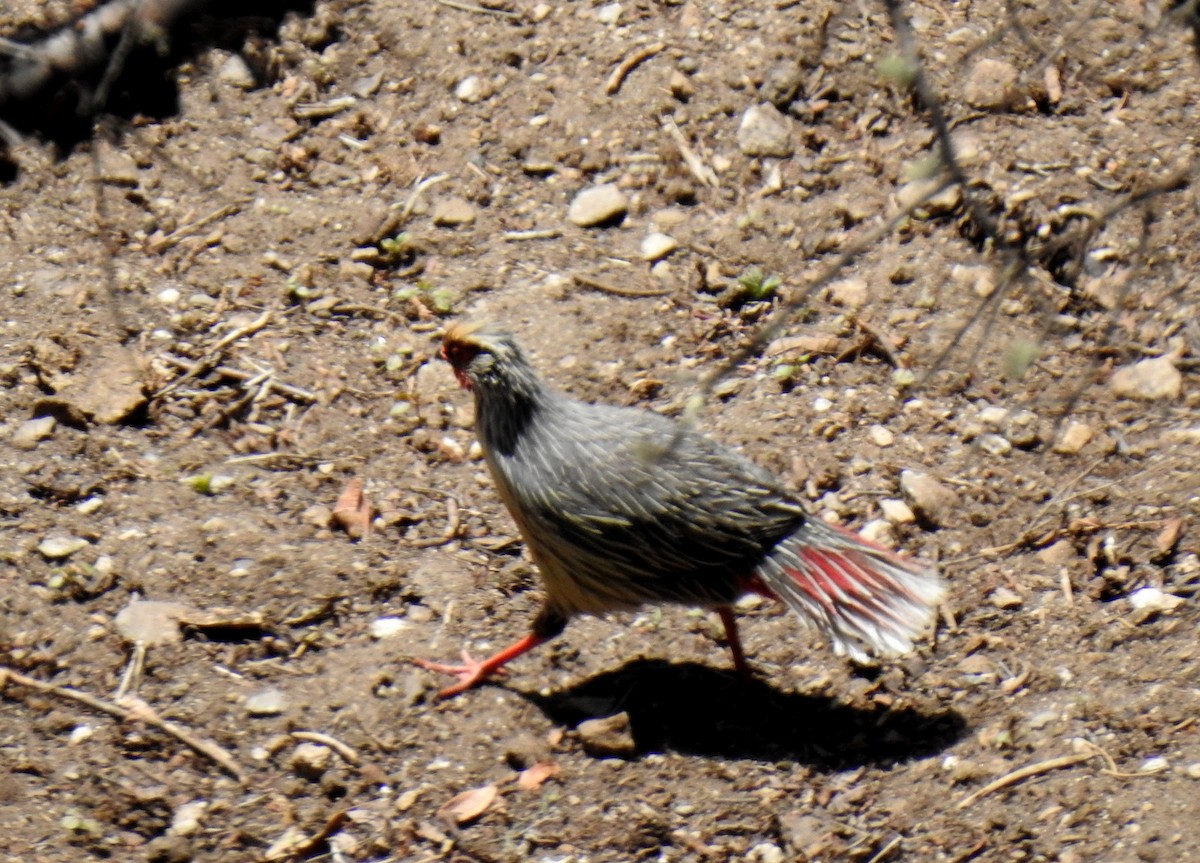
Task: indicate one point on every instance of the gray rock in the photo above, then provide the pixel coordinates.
(765, 132)
(991, 85)
(610, 737)
(933, 502)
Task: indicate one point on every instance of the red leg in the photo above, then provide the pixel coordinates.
(473, 672)
(735, 641)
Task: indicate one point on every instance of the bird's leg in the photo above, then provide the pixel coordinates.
(735, 641)
(548, 624)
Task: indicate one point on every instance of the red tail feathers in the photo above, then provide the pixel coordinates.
(864, 597)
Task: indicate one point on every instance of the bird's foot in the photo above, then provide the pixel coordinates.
(471, 673)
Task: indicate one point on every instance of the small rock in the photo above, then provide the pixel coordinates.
(1042, 718)
(993, 416)
(387, 627)
(932, 501)
(1148, 380)
(978, 277)
(880, 532)
(186, 818)
(1074, 438)
(610, 737)
(897, 511)
(453, 212)
(656, 246)
(598, 205)
(991, 85)
(926, 203)
(1193, 770)
(681, 86)
(168, 849)
(851, 293)
(310, 760)
(526, 750)
(1022, 430)
(61, 547)
(267, 702)
(1155, 764)
(1150, 600)
(469, 89)
(881, 436)
(169, 296)
(995, 444)
(765, 852)
(31, 432)
(151, 622)
(1002, 597)
(765, 132)
(1058, 553)
(610, 13)
(237, 73)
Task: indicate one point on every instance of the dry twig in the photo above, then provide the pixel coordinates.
(589, 282)
(128, 709)
(613, 84)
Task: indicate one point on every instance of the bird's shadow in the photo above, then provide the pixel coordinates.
(690, 708)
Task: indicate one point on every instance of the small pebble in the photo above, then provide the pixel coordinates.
(310, 760)
(610, 737)
(850, 293)
(919, 195)
(469, 89)
(656, 246)
(31, 432)
(995, 444)
(267, 702)
(1058, 553)
(1148, 380)
(169, 296)
(237, 73)
(453, 212)
(991, 85)
(880, 532)
(933, 501)
(1151, 599)
(1157, 764)
(1193, 770)
(185, 820)
(60, 547)
(1002, 597)
(881, 436)
(1022, 430)
(821, 404)
(765, 132)
(387, 627)
(897, 511)
(1074, 438)
(993, 416)
(681, 86)
(610, 13)
(598, 205)
(766, 852)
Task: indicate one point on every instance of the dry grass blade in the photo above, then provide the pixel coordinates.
(1026, 772)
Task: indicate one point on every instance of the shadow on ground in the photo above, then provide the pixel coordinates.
(690, 708)
(143, 83)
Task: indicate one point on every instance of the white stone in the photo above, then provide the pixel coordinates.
(169, 296)
(597, 205)
(469, 89)
(897, 511)
(1153, 599)
(1148, 380)
(881, 436)
(935, 502)
(656, 246)
(991, 85)
(31, 432)
(851, 293)
(387, 627)
(610, 13)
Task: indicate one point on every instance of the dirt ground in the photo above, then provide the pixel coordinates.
(231, 309)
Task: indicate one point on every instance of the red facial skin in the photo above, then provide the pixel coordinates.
(458, 359)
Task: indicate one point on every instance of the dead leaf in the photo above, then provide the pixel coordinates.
(1168, 537)
(466, 807)
(532, 777)
(352, 512)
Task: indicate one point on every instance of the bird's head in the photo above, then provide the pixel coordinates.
(483, 356)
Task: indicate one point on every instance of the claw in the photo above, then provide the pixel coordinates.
(471, 673)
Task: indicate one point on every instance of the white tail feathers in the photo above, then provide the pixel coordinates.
(866, 598)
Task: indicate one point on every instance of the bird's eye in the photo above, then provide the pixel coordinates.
(458, 354)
